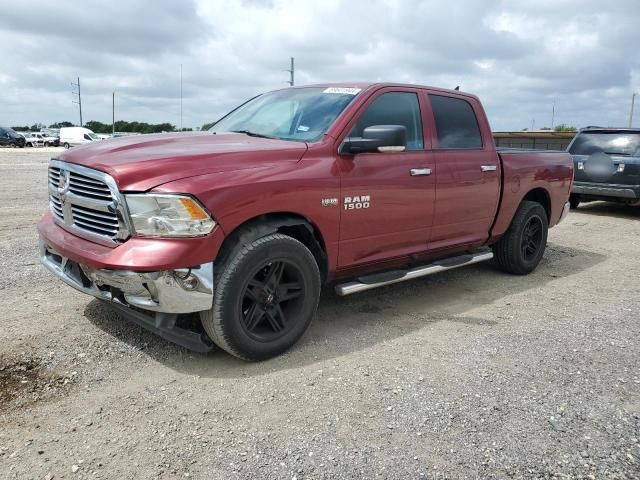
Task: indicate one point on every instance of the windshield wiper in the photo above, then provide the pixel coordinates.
(252, 134)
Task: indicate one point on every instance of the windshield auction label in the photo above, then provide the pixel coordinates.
(342, 90)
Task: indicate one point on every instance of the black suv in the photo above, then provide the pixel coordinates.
(606, 164)
(9, 138)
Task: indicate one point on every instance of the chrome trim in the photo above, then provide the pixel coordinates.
(607, 191)
(488, 168)
(164, 291)
(355, 287)
(89, 189)
(420, 171)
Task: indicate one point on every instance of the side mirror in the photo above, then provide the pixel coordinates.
(377, 138)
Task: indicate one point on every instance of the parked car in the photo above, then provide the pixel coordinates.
(53, 132)
(11, 138)
(72, 136)
(33, 139)
(607, 165)
(50, 140)
(356, 186)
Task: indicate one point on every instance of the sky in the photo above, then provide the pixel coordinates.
(519, 56)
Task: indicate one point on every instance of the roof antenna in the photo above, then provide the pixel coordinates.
(457, 88)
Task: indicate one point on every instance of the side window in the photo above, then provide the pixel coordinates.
(394, 108)
(456, 123)
(87, 137)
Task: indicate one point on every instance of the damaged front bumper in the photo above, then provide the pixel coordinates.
(158, 297)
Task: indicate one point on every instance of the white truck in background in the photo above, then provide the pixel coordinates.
(72, 136)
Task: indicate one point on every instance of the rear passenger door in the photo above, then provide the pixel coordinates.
(467, 173)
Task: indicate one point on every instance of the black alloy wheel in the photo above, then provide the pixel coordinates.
(532, 238)
(265, 296)
(271, 303)
(522, 246)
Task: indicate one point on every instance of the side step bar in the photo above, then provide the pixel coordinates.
(378, 280)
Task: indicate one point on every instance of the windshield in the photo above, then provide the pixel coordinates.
(613, 143)
(302, 114)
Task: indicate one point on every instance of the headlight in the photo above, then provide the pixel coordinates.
(168, 215)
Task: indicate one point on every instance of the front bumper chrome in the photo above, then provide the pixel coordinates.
(173, 291)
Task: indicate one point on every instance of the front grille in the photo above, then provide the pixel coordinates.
(86, 202)
(102, 223)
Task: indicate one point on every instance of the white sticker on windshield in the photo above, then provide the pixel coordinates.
(303, 128)
(343, 90)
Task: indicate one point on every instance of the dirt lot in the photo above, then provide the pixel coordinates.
(469, 374)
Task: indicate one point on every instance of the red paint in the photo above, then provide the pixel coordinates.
(239, 178)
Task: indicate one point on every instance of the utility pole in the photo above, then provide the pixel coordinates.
(553, 113)
(113, 114)
(633, 101)
(79, 102)
(291, 73)
(180, 97)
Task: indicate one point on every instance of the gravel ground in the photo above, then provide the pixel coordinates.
(468, 374)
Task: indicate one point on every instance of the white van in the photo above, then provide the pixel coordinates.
(71, 136)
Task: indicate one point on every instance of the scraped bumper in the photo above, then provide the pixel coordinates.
(176, 291)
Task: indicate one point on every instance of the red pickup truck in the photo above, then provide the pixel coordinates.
(225, 237)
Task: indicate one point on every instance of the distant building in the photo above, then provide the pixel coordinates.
(537, 139)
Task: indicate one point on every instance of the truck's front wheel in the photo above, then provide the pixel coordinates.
(522, 247)
(266, 295)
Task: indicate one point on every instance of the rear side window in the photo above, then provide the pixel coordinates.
(456, 123)
(613, 143)
(394, 108)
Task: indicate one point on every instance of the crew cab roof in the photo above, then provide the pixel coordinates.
(376, 85)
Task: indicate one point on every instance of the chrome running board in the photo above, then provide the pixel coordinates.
(378, 280)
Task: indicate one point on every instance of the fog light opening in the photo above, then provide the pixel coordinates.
(186, 279)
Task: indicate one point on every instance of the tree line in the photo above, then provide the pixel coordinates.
(99, 127)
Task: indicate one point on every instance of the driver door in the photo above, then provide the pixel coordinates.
(387, 200)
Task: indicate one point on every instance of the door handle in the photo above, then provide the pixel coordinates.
(420, 171)
(488, 168)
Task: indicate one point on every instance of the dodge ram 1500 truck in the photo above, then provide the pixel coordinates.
(224, 237)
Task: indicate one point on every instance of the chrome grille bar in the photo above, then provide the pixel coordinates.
(87, 203)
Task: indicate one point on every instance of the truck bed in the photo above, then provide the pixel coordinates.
(546, 172)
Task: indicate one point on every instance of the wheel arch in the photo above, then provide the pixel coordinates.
(541, 196)
(287, 223)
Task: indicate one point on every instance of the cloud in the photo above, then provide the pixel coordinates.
(519, 56)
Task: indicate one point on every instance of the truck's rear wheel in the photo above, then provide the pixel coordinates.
(523, 245)
(266, 295)
(65, 145)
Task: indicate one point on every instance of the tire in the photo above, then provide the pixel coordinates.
(250, 318)
(521, 248)
(66, 145)
(574, 201)
(29, 145)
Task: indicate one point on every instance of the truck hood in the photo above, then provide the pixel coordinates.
(141, 162)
